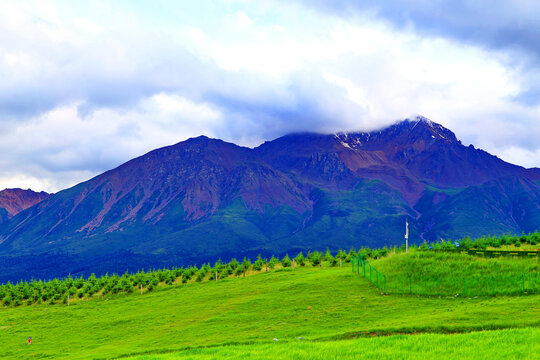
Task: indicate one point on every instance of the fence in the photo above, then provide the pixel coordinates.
(449, 285)
(360, 266)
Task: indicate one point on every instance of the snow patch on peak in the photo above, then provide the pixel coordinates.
(351, 140)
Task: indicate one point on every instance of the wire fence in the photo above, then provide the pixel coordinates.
(362, 267)
(449, 285)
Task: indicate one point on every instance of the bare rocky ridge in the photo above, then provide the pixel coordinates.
(13, 201)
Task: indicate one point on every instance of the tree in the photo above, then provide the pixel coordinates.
(286, 261)
(328, 256)
(315, 258)
(273, 262)
(300, 259)
(258, 263)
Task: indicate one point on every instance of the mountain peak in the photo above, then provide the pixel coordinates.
(422, 127)
(404, 132)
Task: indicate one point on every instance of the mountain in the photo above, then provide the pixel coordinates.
(13, 201)
(203, 198)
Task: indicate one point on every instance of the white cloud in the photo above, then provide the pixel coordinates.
(62, 147)
(85, 89)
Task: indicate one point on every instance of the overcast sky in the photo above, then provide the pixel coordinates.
(88, 85)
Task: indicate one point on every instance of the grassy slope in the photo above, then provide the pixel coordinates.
(425, 267)
(315, 303)
(501, 344)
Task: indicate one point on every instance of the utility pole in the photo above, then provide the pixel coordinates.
(406, 235)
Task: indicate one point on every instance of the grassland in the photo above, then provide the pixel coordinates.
(429, 273)
(323, 305)
(500, 344)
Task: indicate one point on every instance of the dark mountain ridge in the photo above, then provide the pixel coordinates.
(205, 198)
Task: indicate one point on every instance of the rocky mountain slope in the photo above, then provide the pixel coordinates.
(203, 198)
(13, 201)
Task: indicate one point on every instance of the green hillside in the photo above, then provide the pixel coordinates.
(316, 303)
(455, 274)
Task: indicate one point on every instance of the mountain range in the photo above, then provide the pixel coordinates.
(204, 199)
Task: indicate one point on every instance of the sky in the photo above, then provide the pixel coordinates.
(88, 85)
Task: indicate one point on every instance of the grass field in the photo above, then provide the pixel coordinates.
(331, 308)
(501, 344)
(449, 274)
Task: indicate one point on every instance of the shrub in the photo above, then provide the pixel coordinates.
(300, 259)
(246, 264)
(350, 255)
(328, 255)
(258, 264)
(273, 262)
(315, 258)
(286, 261)
(234, 264)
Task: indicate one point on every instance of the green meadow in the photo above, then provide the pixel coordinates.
(455, 274)
(498, 344)
(337, 313)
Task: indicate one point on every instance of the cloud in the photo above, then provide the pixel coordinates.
(498, 24)
(86, 88)
(509, 27)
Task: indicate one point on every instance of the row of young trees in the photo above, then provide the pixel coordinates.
(68, 289)
(63, 290)
(485, 242)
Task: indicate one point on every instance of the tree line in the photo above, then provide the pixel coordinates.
(57, 291)
(65, 290)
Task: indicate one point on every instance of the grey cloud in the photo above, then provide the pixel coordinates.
(508, 26)
(308, 102)
(495, 24)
